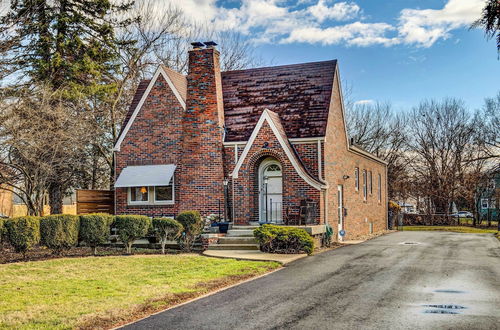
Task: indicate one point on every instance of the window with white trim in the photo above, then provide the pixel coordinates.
(370, 183)
(152, 195)
(356, 178)
(365, 188)
(379, 188)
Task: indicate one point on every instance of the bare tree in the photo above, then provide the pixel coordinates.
(379, 130)
(40, 142)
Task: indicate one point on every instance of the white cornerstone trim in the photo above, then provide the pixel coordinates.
(152, 82)
(289, 153)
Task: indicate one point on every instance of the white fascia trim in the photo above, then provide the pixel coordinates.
(143, 99)
(306, 140)
(349, 147)
(289, 153)
(232, 144)
(367, 154)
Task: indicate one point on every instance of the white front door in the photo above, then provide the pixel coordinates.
(340, 200)
(270, 192)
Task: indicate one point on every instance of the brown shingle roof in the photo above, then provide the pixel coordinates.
(179, 81)
(141, 88)
(299, 93)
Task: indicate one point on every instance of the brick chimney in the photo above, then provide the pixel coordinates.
(201, 172)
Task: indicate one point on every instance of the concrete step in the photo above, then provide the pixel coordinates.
(237, 240)
(244, 227)
(233, 247)
(240, 232)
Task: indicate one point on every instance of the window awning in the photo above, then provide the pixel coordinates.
(145, 175)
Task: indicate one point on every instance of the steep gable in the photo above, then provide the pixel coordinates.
(299, 94)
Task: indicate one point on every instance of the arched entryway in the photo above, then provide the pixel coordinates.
(270, 191)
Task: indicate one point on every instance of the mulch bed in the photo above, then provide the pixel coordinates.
(8, 255)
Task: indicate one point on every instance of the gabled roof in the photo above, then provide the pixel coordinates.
(275, 123)
(141, 89)
(300, 94)
(178, 80)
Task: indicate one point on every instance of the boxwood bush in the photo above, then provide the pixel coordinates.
(95, 229)
(280, 239)
(59, 231)
(193, 226)
(166, 229)
(131, 227)
(23, 233)
(2, 231)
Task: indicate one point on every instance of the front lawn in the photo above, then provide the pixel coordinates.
(96, 292)
(456, 229)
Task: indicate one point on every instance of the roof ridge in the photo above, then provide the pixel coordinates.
(283, 66)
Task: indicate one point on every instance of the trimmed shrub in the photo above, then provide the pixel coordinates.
(59, 231)
(280, 239)
(166, 229)
(2, 231)
(95, 229)
(131, 227)
(23, 233)
(193, 226)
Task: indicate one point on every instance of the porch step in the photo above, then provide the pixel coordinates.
(240, 232)
(244, 227)
(234, 247)
(237, 240)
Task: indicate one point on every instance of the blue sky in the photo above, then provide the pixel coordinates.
(400, 51)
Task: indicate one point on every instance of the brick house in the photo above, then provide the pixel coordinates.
(265, 144)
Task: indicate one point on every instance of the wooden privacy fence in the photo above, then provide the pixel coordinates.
(95, 201)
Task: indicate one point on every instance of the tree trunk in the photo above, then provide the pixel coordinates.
(129, 247)
(94, 250)
(55, 199)
(163, 243)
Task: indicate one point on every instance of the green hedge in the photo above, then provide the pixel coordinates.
(2, 231)
(131, 227)
(280, 239)
(95, 229)
(166, 229)
(23, 233)
(60, 231)
(193, 226)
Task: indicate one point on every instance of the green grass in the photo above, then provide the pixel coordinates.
(99, 292)
(456, 229)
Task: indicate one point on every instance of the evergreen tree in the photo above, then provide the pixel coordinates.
(490, 21)
(68, 45)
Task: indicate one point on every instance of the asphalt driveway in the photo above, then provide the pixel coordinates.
(437, 280)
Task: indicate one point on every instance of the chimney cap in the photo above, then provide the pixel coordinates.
(197, 44)
(210, 44)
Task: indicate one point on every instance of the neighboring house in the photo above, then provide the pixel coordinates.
(6, 207)
(266, 144)
(489, 199)
(407, 207)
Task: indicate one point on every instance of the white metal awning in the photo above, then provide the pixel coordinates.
(145, 175)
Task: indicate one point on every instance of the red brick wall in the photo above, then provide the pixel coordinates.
(150, 141)
(308, 153)
(201, 175)
(295, 189)
(339, 161)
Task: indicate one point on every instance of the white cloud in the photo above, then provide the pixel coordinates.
(339, 11)
(322, 21)
(357, 34)
(360, 102)
(424, 27)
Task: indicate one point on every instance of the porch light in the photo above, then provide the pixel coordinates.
(266, 180)
(144, 190)
(226, 182)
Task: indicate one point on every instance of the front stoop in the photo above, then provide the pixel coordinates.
(237, 238)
